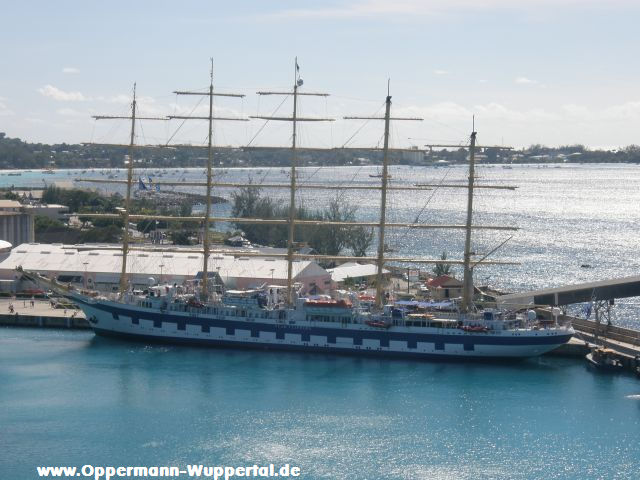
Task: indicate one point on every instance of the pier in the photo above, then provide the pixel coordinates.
(601, 296)
(41, 314)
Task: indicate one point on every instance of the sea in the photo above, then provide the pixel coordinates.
(68, 398)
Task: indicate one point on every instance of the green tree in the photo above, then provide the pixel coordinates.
(179, 237)
(42, 224)
(359, 240)
(442, 268)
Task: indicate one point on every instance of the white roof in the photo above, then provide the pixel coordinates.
(353, 270)
(10, 204)
(47, 205)
(98, 259)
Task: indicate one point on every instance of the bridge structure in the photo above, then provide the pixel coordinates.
(601, 296)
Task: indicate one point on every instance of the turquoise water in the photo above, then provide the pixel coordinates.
(69, 398)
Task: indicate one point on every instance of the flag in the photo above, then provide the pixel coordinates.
(141, 184)
(297, 66)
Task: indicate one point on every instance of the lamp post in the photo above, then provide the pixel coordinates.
(85, 274)
(161, 267)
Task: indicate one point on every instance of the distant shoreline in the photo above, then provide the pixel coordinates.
(16, 154)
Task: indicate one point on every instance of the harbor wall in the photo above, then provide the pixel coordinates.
(40, 321)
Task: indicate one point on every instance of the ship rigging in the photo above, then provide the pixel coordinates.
(265, 319)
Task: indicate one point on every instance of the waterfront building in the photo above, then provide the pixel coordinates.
(98, 267)
(444, 287)
(51, 211)
(16, 225)
(353, 272)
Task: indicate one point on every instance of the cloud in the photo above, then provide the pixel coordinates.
(120, 98)
(202, 111)
(4, 110)
(577, 112)
(60, 95)
(441, 72)
(626, 111)
(70, 112)
(70, 70)
(413, 8)
(525, 81)
(454, 112)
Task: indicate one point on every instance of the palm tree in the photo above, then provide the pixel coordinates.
(442, 268)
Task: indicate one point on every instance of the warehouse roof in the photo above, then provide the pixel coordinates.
(353, 270)
(101, 259)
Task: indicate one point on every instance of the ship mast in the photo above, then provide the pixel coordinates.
(467, 282)
(291, 221)
(127, 201)
(124, 278)
(292, 191)
(383, 192)
(383, 204)
(206, 241)
(292, 185)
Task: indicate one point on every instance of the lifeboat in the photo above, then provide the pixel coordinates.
(328, 303)
(474, 329)
(367, 298)
(377, 324)
(195, 303)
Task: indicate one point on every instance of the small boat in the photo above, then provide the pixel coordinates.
(604, 359)
(377, 324)
(328, 303)
(14, 174)
(474, 328)
(377, 175)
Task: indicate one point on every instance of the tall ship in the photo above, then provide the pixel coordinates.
(280, 317)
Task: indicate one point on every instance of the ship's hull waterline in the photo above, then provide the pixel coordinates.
(188, 328)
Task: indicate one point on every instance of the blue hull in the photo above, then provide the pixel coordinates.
(193, 328)
(294, 348)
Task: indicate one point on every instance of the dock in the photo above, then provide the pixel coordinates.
(41, 314)
(601, 297)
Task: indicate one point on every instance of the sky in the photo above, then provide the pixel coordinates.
(551, 72)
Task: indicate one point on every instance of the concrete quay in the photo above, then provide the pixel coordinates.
(624, 341)
(573, 348)
(41, 314)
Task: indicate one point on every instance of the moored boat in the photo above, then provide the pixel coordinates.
(257, 319)
(267, 318)
(604, 359)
